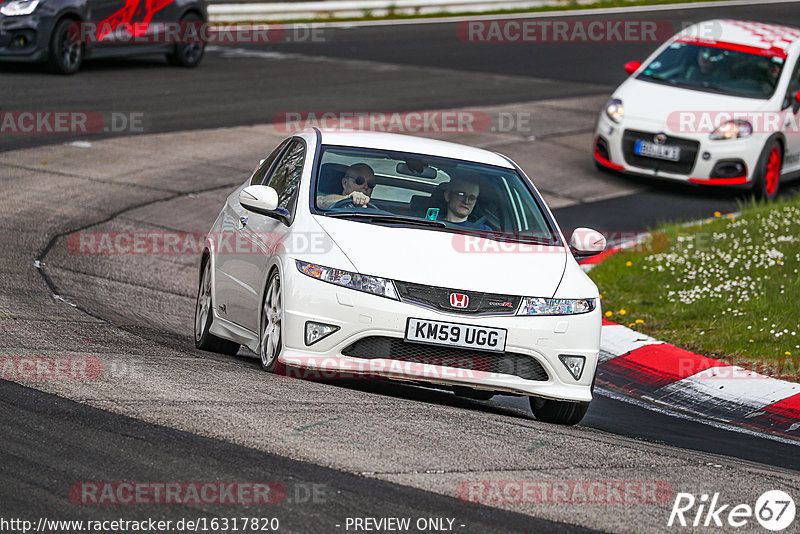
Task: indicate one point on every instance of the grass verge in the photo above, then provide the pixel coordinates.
(727, 288)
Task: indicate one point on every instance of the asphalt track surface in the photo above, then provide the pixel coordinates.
(56, 442)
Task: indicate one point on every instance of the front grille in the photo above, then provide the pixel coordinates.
(684, 165)
(438, 298)
(510, 363)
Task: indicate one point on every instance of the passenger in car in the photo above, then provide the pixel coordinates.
(461, 196)
(357, 185)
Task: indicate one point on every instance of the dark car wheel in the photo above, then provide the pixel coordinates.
(65, 53)
(559, 412)
(187, 54)
(768, 172)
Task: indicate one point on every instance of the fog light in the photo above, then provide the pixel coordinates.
(574, 364)
(317, 331)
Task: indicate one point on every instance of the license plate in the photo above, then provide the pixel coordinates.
(456, 335)
(652, 150)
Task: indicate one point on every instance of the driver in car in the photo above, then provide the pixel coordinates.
(357, 185)
(461, 197)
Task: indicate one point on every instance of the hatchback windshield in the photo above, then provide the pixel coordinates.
(718, 70)
(429, 192)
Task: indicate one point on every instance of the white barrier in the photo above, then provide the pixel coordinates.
(361, 8)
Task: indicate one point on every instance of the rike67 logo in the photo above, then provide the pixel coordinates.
(774, 510)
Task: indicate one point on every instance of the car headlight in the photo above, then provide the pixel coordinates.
(614, 110)
(543, 306)
(360, 282)
(732, 130)
(19, 7)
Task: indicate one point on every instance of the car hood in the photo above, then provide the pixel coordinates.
(660, 104)
(448, 260)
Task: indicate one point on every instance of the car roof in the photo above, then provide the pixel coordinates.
(408, 143)
(755, 37)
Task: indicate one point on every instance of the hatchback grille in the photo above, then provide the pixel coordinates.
(439, 298)
(510, 363)
(684, 165)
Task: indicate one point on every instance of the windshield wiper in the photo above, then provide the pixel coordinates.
(658, 78)
(387, 218)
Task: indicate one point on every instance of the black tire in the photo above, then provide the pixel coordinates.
(558, 412)
(768, 171)
(187, 55)
(203, 316)
(270, 339)
(65, 55)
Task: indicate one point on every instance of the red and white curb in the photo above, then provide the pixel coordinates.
(645, 368)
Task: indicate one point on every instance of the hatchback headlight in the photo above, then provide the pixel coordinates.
(614, 110)
(360, 282)
(732, 130)
(19, 7)
(543, 306)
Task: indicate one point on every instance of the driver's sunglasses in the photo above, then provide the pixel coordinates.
(360, 181)
(463, 196)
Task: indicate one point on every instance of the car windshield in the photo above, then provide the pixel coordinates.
(428, 192)
(717, 70)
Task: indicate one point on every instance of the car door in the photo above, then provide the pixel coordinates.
(791, 126)
(262, 236)
(229, 256)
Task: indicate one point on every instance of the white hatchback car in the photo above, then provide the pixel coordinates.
(453, 273)
(717, 104)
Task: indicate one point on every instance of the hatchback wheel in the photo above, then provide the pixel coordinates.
(187, 54)
(769, 171)
(559, 412)
(203, 316)
(271, 324)
(65, 54)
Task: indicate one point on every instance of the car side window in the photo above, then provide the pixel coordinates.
(263, 168)
(285, 179)
(794, 86)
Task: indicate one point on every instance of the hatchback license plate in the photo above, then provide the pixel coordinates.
(652, 150)
(456, 335)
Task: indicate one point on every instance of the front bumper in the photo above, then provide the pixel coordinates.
(360, 316)
(729, 162)
(24, 38)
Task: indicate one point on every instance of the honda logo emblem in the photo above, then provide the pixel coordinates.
(459, 300)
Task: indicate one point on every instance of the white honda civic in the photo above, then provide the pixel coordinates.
(718, 104)
(382, 255)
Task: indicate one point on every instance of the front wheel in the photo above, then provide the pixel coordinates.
(559, 412)
(187, 54)
(271, 341)
(768, 172)
(65, 52)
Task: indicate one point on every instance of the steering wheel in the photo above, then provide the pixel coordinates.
(348, 203)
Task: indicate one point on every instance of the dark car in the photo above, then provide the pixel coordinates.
(65, 32)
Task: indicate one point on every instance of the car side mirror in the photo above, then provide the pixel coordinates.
(586, 242)
(259, 198)
(632, 66)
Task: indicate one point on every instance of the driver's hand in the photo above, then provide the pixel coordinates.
(359, 198)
